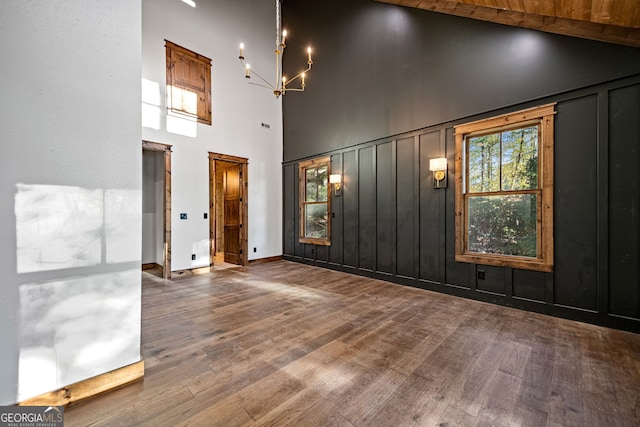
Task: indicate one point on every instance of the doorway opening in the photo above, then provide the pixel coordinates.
(228, 190)
(156, 208)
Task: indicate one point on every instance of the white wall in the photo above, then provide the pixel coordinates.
(215, 29)
(70, 178)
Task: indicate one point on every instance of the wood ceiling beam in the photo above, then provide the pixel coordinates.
(552, 24)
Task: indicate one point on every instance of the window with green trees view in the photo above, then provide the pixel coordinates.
(315, 201)
(504, 201)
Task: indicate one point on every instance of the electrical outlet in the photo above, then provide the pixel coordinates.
(193, 257)
(206, 216)
(481, 275)
(183, 216)
(255, 250)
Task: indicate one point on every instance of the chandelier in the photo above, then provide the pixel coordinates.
(280, 87)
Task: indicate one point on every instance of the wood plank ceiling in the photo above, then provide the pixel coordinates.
(613, 21)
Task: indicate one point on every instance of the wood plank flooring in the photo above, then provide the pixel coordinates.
(285, 344)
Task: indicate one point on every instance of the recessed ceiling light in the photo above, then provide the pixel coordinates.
(190, 3)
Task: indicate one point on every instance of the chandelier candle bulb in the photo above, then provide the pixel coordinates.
(279, 87)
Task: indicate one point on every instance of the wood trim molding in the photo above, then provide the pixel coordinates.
(90, 387)
(244, 195)
(544, 261)
(302, 166)
(265, 260)
(191, 271)
(155, 146)
(509, 119)
(153, 266)
(228, 158)
(585, 29)
(166, 149)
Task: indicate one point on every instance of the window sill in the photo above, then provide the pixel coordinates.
(310, 241)
(506, 261)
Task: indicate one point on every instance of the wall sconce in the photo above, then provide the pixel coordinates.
(439, 168)
(336, 180)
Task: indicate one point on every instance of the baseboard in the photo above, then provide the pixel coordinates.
(90, 387)
(264, 260)
(204, 270)
(190, 272)
(152, 266)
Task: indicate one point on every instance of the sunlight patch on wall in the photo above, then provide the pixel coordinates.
(181, 126)
(182, 114)
(151, 116)
(121, 221)
(57, 227)
(151, 105)
(62, 227)
(37, 372)
(77, 328)
(183, 101)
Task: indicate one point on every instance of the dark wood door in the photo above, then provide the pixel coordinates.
(232, 215)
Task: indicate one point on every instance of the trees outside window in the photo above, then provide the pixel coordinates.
(315, 201)
(504, 199)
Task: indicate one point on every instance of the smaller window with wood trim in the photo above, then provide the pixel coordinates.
(315, 201)
(504, 195)
(188, 83)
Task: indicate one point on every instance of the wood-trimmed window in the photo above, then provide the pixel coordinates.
(504, 193)
(188, 83)
(315, 201)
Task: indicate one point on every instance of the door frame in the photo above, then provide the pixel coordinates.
(166, 149)
(244, 203)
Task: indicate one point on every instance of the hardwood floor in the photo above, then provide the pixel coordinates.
(288, 344)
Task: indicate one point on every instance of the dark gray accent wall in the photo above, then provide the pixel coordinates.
(385, 102)
(383, 70)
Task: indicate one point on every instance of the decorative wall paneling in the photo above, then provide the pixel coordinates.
(390, 223)
(404, 69)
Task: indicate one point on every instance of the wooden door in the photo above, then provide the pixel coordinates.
(233, 215)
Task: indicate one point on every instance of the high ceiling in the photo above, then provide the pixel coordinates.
(613, 21)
